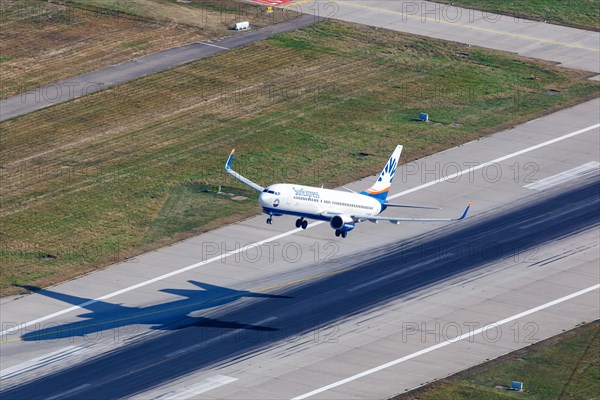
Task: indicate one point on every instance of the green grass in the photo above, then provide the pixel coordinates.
(190, 205)
(123, 170)
(562, 367)
(581, 13)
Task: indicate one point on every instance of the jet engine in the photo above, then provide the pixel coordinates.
(342, 223)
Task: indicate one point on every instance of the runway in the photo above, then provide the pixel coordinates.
(211, 317)
(571, 47)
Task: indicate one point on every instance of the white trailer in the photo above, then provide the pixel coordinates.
(242, 26)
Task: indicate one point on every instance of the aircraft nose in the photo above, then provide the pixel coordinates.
(262, 199)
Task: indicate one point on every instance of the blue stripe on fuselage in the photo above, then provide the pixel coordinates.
(381, 197)
(278, 212)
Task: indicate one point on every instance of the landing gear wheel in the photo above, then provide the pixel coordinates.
(304, 224)
(344, 234)
(298, 223)
(337, 232)
(269, 220)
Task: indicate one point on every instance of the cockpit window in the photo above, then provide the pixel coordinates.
(267, 190)
(272, 192)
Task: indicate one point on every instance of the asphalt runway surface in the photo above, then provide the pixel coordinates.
(104, 78)
(176, 323)
(148, 363)
(280, 328)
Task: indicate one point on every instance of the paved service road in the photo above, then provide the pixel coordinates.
(571, 47)
(299, 311)
(156, 62)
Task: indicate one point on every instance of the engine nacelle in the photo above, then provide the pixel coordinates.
(342, 223)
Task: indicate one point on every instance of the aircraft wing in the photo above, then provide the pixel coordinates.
(239, 177)
(410, 206)
(394, 220)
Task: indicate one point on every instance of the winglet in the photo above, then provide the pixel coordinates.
(466, 211)
(239, 177)
(228, 163)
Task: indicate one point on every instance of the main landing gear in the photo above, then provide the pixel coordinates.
(341, 233)
(300, 222)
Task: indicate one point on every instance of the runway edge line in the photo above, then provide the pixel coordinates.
(447, 342)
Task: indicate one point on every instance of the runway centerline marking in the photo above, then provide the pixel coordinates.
(447, 342)
(282, 235)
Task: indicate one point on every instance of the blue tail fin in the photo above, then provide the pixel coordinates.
(381, 187)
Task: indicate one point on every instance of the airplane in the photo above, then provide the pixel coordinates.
(342, 210)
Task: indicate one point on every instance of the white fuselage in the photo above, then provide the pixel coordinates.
(311, 202)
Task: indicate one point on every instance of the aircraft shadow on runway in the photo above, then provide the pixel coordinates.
(124, 321)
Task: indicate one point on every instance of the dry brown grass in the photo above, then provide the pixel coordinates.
(44, 42)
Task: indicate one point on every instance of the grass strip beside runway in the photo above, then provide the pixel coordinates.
(562, 367)
(140, 165)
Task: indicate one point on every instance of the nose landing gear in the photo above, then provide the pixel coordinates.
(269, 220)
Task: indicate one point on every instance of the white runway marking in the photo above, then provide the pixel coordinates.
(497, 160)
(288, 233)
(583, 171)
(204, 386)
(447, 342)
(214, 45)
